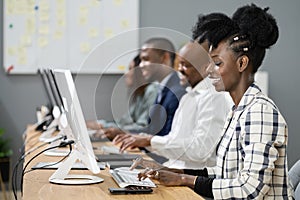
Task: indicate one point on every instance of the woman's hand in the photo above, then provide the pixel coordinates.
(164, 177)
(168, 178)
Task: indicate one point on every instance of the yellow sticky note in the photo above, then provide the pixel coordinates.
(20, 8)
(118, 2)
(124, 23)
(22, 60)
(21, 50)
(31, 12)
(93, 32)
(22, 56)
(25, 40)
(9, 9)
(44, 30)
(60, 1)
(58, 34)
(30, 2)
(121, 67)
(108, 33)
(85, 47)
(11, 51)
(30, 25)
(94, 3)
(61, 22)
(44, 17)
(60, 12)
(44, 6)
(42, 42)
(83, 10)
(82, 20)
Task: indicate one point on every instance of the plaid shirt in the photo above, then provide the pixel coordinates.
(251, 156)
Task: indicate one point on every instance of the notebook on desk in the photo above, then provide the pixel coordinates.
(125, 177)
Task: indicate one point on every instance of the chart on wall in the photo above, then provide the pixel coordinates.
(86, 36)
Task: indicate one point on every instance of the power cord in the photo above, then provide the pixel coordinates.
(24, 154)
(63, 137)
(62, 144)
(22, 157)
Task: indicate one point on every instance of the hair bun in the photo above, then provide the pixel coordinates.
(214, 27)
(260, 26)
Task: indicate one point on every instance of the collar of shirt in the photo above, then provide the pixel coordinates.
(164, 82)
(205, 84)
(248, 97)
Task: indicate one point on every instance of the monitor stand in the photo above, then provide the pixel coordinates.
(61, 175)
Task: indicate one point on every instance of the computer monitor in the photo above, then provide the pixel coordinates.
(57, 111)
(47, 88)
(45, 120)
(83, 150)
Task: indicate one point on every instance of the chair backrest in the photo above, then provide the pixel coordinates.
(294, 177)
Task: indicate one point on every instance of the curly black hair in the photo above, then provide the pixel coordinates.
(250, 32)
(258, 32)
(214, 28)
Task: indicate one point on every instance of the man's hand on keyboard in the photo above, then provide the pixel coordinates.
(112, 132)
(132, 141)
(93, 124)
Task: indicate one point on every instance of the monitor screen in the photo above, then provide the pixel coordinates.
(56, 108)
(47, 87)
(51, 89)
(54, 89)
(83, 150)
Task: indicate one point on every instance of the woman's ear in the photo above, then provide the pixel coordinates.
(243, 62)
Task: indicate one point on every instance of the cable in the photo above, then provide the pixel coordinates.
(22, 157)
(15, 178)
(62, 144)
(51, 164)
(22, 152)
(27, 140)
(63, 137)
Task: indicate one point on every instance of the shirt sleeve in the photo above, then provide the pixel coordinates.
(196, 172)
(140, 110)
(262, 137)
(203, 186)
(294, 174)
(200, 142)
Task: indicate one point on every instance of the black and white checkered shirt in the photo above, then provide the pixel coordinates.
(251, 156)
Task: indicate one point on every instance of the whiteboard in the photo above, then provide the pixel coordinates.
(64, 33)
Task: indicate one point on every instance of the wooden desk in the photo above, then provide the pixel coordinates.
(37, 186)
